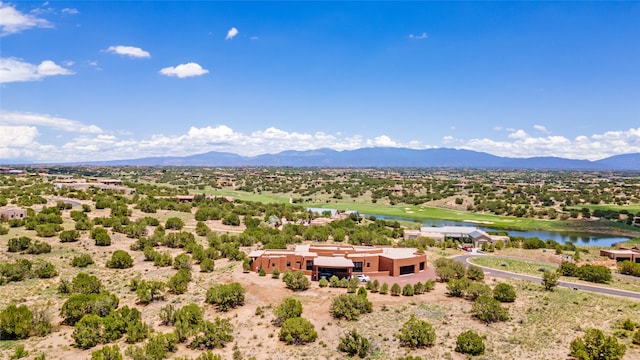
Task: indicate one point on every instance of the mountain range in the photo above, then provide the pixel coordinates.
(383, 157)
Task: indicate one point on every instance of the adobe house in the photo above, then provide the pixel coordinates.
(340, 260)
(622, 254)
(465, 234)
(10, 213)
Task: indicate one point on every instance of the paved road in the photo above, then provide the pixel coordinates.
(593, 288)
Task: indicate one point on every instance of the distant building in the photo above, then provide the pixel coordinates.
(465, 234)
(10, 213)
(622, 254)
(341, 260)
(322, 211)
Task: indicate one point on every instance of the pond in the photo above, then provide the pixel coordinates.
(577, 238)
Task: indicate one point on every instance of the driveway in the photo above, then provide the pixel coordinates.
(593, 288)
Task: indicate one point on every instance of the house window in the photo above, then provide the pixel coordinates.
(357, 266)
(368, 264)
(288, 263)
(273, 265)
(422, 266)
(309, 264)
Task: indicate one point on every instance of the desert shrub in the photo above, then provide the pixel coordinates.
(298, 281)
(18, 244)
(17, 271)
(475, 273)
(83, 260)
(161, 259)
(595, 345)
(212, 334)
(396, 290)
(568, 269)
(323, 282)
(149, 291)
(262, 272)
(629, 268)
(19, 352)
(45, 270)
(47, 230)
(416, 334)
(636, 337)
(457, 287)
(136, 331)
(475, 290)
(88, 331)
(84, 283)
(182, 261)
(407, 290)
(179, 282)
(226, 297)
(504, 293)
(15, 322)
(429, 285)
(190, 315)
(120, 259)
(275, 273)
(470, 343)
(289, 308)
(38, 247)
(418, 288)
(174, 223)
(69, 236)
(384, 289)
(297, 331)
(354, 344)
(594, 273)
(101, 236)
(79, 305)
(489, 310)
(207, 265)
(350, 306)
(550, 280)
(353, 285)
(107, 353)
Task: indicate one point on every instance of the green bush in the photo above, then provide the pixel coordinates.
(174, 223)
(38, 247)
(323, 282)
(470, 343)
(595, 345)
(79, 305)
(475, 290)
(107, 353)
(84, 283)
(149, 291)
(262, 272)
(182, 261)
(69, 236)
(457, 287)
(212, 335)
(629, 268)
(416, 334)
(120, 259)
(475, 273)
(350, 306)
(82, 261)
(408, 290)
(88, 331)
(297, 331)
(568, 269)
(395, 290)
(275, 273)
(384, 289)
(47, 230)
(19, 244)
(179, 282)
(489, 310)
(504, 293)
(550, 280)
(636, 337)
(354, 344)
(226, 297)
(289, 308)
(15, 322)
(594, 273)
(17, 271)
(298, 281)
(207, 265)
(45, 270)
(101, 236)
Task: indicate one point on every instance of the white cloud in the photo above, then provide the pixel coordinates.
(32, 119)
(70, 11)
(382, 141)
(594, 147)
(541, 129)
(13, 21)
(184, 70)
(231, 33)
(131, 51)
(16, 70)
(419, 36)
(22, 142)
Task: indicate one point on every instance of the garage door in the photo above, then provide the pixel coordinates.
(409, 269)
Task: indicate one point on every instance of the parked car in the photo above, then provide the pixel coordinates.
(363, 277)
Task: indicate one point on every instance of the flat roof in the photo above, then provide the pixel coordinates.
(333, 261)
(399, 253)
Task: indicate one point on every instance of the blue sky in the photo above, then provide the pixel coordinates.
(114, 80)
